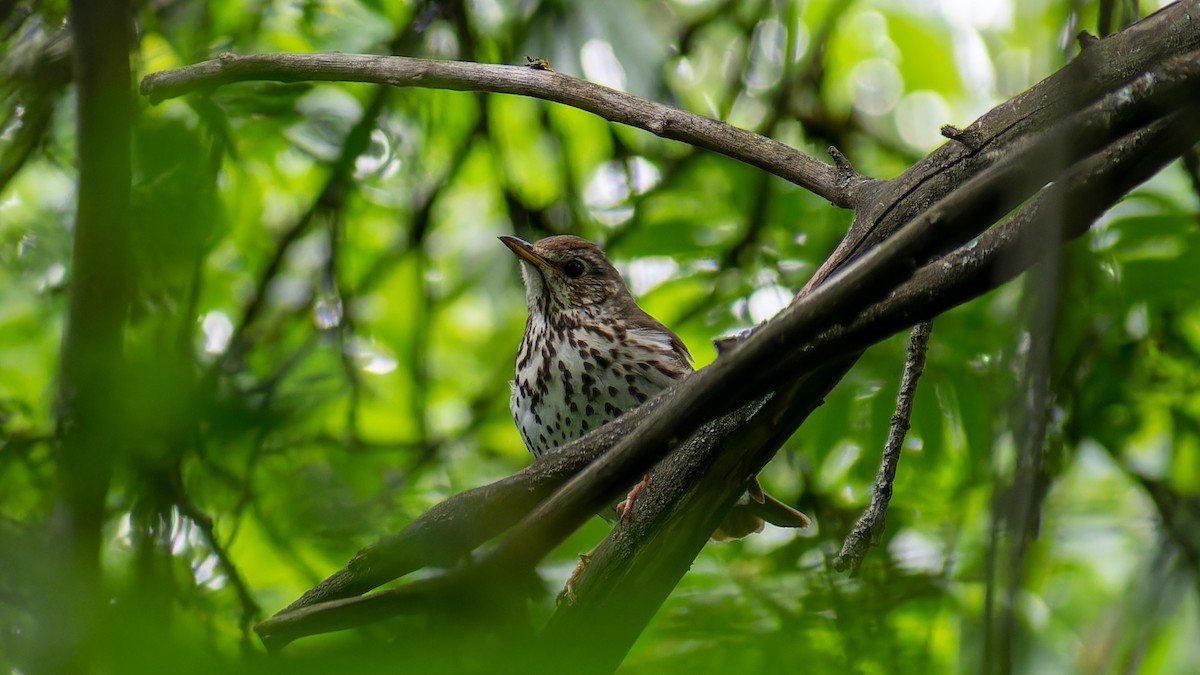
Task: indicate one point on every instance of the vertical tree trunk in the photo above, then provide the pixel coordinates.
(90, 403)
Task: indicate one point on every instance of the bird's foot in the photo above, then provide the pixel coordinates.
(567, 594)
(625, 508)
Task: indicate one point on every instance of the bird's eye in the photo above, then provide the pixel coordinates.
(574, 268)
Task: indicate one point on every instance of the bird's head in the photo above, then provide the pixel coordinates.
(565, 273)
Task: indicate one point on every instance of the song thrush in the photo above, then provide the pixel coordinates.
(589, 354)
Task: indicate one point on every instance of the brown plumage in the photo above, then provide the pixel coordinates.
(589, 354)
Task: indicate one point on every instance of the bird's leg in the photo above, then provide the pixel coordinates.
(567, 594)
(624, 511)
(625, 508)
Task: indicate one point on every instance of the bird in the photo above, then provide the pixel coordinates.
(589, 354)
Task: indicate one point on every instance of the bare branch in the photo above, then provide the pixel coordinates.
(399, 71)
(868, 530)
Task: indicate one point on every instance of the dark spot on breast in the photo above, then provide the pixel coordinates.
(637, 393)
(574, 408)
(584, 424)
(589, 410)
(612, 391)
(630, 378)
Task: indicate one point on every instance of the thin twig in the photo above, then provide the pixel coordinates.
(1017, 506)
(204, 522)
(868, 531)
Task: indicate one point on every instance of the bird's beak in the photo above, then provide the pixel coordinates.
(524, 250)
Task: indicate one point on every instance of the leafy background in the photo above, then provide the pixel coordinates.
(325, 324)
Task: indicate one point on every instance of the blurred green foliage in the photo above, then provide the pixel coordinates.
(324, 327)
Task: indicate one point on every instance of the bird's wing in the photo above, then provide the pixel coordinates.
(662, 336)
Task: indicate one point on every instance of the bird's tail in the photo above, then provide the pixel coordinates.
(754, 509)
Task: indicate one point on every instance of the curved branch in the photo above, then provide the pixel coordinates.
(831, 182)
